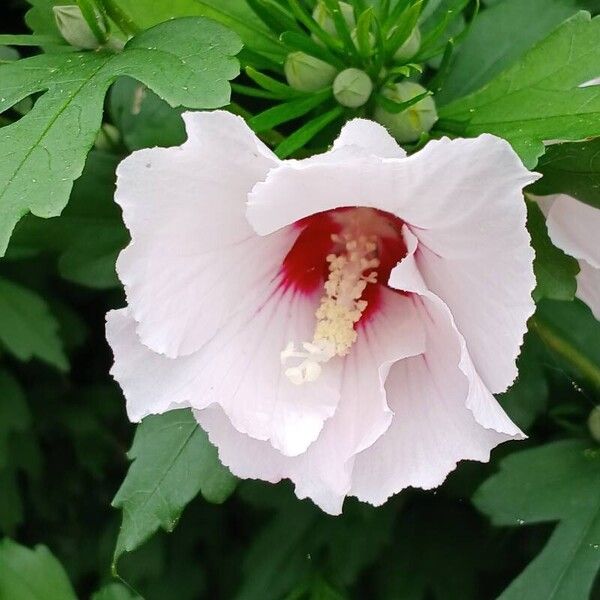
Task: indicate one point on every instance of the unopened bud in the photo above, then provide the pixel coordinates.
(74, 28)
(594, 423)
(410, 47)
(307, 73)
(408, 125)
(352, 88)
(323, 17)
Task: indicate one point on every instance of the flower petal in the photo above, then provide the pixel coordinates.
(442, 411)
(573, 226)
(194, 261)
(463, 200)
(323, 472)
(369, 136)
(588, 287)
(239, 369)
(152, 383)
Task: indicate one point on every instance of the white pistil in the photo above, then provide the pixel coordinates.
(341, 307)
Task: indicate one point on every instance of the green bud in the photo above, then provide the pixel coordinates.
(307, 73)
(410, 47)
(74, 28)
(352, 88)
(407, 126)
(594, 423)
(322, 15)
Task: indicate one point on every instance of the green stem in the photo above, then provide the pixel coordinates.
(569, 353)
(123, 21)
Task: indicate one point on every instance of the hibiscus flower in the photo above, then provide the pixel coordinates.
(342, 320)
(573, 226)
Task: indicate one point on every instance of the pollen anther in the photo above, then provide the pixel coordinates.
(341, 307)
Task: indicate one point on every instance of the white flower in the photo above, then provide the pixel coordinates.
(341, 321)
(574, 227)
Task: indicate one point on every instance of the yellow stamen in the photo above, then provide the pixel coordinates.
(341, 307)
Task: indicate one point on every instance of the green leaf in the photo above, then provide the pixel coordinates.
(572, 169)
(282, 113)
(14, 412)
(143, 119)
(554, 270)
(556, 482)
(32, 574)
(496, 41)
(89, 233)
(186, 62)
(527, 397)
(539, 98)
(307, 132)
(27, 328)
(234, 14)
(172, 461)
(572, 333)
(114, 591)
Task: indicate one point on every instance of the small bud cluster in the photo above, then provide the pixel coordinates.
(369, 61)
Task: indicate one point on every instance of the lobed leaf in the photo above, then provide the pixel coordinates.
(186, 62)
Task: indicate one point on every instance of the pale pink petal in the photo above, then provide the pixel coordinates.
(194, 261)
(588, 287)
(371, 137)
(443, 413)
(323, 472)
(239, 369)
(463, 200)
(152, 383)
(574, 226)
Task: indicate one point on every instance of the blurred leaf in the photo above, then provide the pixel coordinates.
(143, 119)
(527, 397)
(496, 41)
(114, 591)
(572, 334)
(554, 270)
(269, 575)
(31, 574)
(187, 62)
(14, 412)
(27, 327)
(539, 98)
(572, 169)
(172, 461)
(11, 505)
(556, 482)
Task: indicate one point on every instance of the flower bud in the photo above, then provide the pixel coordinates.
(322, 15)
(74, 28)
(408, 125)
(352, 88)
(593, 423)
(307, 73)
(410, 47)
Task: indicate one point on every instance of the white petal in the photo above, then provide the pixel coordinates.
(323, 472)
(588, 287)
(194, 261)
(239, 369)
(442, 411)
(463, 200)
(574, 227)
(152, 384)
(371, 137)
